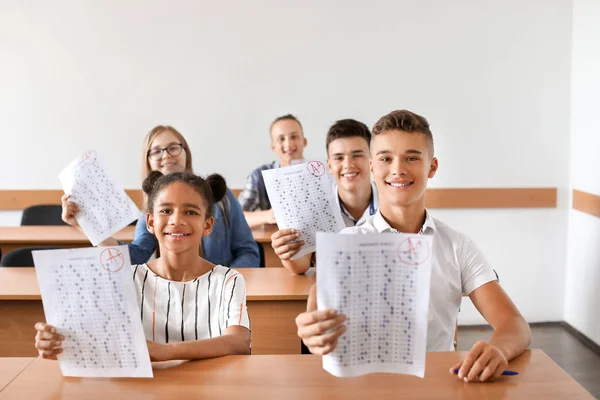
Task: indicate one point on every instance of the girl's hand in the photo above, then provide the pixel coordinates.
(69, 210)
(47, 341)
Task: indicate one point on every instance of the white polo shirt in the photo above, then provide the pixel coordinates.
(373, 207)
(458, 267)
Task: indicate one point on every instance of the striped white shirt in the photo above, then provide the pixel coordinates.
(199, 309)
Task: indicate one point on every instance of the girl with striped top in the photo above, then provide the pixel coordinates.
(190, 308)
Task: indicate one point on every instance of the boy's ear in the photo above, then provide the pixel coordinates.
(208, 226)
(150, 223)
(305, 140)
(433, 167)
(329, 165)
(371, 166)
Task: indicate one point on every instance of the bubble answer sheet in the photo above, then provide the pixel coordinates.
(89, 296)
(104, 207)
(381, 282)
(302, 198)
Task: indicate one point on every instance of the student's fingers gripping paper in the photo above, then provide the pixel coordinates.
(47, 344)
(44, 327)
(325, 349)
(50, 354)
(275, 237)
(279, 240)
(321, 327)
(48, 336)
(330, 336)
(310, 318)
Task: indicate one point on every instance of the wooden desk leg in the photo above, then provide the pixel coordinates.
(271, 259)
(273, 325)
(17, 334)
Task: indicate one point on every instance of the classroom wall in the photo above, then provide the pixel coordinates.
(583, 270)
(493, 78)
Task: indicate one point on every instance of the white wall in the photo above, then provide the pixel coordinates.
(582, 298)
(493, 77)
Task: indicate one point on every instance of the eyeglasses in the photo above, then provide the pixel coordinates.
(173, 149)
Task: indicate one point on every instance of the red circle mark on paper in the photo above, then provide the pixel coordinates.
(414, 251)
(89, 157)
(112, 260)
(316, 168)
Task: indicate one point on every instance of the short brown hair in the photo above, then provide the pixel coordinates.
(347, 128)
(405, 121)
(286, 117)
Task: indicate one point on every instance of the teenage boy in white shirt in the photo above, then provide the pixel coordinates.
(288, 142)
(402, 161)
(347, 146)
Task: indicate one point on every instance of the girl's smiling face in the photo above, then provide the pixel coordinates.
(178, 218)
(167, 163)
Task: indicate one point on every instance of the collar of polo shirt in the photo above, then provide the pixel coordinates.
(382, 226)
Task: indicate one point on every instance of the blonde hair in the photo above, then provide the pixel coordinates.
(157, 130)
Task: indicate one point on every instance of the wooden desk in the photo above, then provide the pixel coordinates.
(297, 377)
(275, 297)
(15, 237)
(262, 235)
(11, 367)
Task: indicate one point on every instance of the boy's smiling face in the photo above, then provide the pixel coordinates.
(348, 162)
(401, 164)
(287, 141)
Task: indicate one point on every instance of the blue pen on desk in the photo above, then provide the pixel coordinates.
(506, 372)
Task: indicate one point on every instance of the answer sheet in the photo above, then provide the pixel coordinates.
(302, 198)
(381, 282)
(104, 207)
(89, 296)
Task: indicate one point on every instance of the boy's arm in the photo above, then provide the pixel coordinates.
(487, 360)
(298, 266)
(511, 332)
(236, 340)
(258, 218)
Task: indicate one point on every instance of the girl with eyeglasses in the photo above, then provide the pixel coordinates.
(230, 242)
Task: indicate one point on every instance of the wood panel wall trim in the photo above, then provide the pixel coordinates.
(21, 199)
(436, 198)
(491, 198)
(586, 202)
